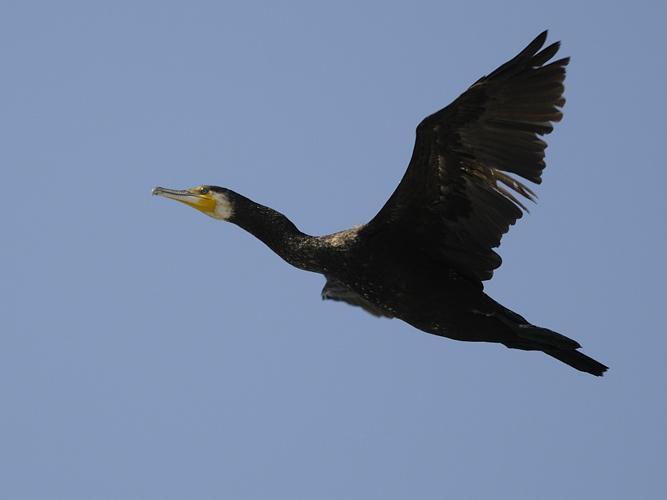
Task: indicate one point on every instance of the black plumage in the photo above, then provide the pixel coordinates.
(424, 256)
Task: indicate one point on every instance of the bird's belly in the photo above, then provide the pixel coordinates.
(455, 309)
(405, 300)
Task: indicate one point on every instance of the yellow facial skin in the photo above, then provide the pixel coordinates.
(198, 197)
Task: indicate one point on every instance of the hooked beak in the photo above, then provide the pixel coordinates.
(203, 202)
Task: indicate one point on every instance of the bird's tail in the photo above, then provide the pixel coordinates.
(534, 338)
(578, 360)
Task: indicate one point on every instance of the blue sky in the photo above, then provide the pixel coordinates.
(152, 352)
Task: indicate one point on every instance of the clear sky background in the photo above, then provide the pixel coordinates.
(149, 352)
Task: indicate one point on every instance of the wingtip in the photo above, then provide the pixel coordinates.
(539, 40)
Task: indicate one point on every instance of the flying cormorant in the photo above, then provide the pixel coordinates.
(424, 256)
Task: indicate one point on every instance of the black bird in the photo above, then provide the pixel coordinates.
(424, 256)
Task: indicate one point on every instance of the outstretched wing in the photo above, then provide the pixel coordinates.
(338, 291)
(457, 197)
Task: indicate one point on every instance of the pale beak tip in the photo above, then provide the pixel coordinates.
(156, 190)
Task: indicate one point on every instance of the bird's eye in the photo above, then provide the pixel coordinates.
(203, 191)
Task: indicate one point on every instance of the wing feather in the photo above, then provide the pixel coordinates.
(338, 291)
(458, 196)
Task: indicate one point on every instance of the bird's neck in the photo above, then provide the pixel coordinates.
(278, 233)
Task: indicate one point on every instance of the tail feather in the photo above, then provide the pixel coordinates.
(535, 338)
(545, 336)
(578, 360)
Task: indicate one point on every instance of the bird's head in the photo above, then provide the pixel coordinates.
(214, 201)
